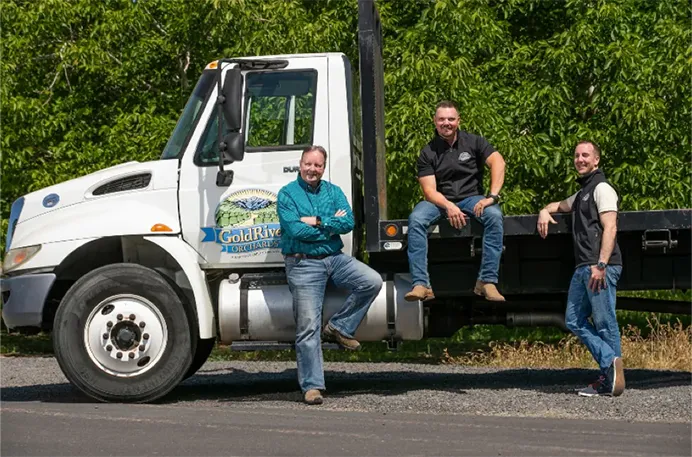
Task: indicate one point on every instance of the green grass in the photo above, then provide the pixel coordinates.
(432, 350)
(14, 344)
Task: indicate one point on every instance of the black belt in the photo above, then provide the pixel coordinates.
(308, 256)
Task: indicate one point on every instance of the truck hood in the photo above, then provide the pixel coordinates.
(124, 178)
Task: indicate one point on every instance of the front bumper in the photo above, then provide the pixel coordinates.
(23, 298)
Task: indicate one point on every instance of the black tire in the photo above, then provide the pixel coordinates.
(200, 348)
(204, 348)
(78, 311)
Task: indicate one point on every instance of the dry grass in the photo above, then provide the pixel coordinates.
(667, 346)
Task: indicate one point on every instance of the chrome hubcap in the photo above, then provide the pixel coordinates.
(125, 335)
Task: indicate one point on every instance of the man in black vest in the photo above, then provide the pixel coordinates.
(598, 268)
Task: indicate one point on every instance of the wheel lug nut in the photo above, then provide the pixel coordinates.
(119, 355)
(142, 324)
(132, 317)
(109, 324)
(120, 317)
(132, 355)
(145, 336)
(141, 347)
(109, 348)
(105, 336)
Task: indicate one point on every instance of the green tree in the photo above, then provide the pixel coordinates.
(86, 84)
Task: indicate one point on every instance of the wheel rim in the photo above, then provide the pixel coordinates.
(125, 335)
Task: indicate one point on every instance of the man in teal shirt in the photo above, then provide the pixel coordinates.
(314, 214)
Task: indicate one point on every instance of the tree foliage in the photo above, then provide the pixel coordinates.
(85, 84)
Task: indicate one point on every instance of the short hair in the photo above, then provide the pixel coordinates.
(596, 148)
(446, 104)
(314, 147)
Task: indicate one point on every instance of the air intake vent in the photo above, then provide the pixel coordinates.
(123, 184)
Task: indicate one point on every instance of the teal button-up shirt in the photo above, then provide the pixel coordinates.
(298, 199)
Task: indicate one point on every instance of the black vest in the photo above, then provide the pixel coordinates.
(586, 224)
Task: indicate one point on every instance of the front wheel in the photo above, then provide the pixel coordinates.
(121, 334)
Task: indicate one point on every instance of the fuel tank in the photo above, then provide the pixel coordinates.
(259, 307)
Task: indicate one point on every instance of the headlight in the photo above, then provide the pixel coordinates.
(16, 257)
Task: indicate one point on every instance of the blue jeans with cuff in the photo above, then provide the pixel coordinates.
(602, 337)
(307, 280)
(426, 214)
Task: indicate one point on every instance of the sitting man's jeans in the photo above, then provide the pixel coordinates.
(307, 280)
(425, 214)
(602, 338)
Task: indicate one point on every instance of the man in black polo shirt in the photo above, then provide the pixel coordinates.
(592, 291)
(450, 172)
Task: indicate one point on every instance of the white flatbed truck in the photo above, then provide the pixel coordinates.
(139, 269)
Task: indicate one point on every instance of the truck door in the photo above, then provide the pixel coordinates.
(284, 111)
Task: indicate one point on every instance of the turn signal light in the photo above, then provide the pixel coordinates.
(161, 228)
(16, 257)
(391, 230)
(212, 65)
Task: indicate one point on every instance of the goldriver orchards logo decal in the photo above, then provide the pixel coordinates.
(246, 222)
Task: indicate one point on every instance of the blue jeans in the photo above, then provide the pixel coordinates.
(425, 214)
(307, 280)
(602, 338)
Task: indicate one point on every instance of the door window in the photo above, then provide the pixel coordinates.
(279, 115)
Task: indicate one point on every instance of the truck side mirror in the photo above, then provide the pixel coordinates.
(232, 145)
(233, 97)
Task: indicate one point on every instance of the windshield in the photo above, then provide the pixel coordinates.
(190, 115)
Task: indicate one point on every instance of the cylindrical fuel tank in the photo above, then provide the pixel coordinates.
(259, 307)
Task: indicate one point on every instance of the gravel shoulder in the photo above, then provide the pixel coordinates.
(651, 395)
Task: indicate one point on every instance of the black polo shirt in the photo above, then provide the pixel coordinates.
(458, 169)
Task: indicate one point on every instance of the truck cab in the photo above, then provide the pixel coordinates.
(305, 101)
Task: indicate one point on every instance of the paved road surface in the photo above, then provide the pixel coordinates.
(253, 408)
(54, 429)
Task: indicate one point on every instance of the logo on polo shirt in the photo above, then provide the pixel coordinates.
(464, 156)
(585, 197)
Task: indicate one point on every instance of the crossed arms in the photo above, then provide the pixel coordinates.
(304, 228)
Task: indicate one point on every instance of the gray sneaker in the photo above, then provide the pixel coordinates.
(596, 390)
(593, 385)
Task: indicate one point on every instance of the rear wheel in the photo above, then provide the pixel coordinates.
(121, 334)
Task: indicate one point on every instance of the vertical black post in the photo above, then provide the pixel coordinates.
(372, 105)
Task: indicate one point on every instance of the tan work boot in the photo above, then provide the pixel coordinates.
(313, 397)
(488, 290)
(421, 293)
(332, 334)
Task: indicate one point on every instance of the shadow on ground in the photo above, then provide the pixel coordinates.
(236, 385)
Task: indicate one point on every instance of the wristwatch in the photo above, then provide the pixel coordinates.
(496, 198)
(601, 266)
(319, 220)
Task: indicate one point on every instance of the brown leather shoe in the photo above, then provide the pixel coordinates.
(313, 397)
(488, 290)
(421, 293)
(332, 334)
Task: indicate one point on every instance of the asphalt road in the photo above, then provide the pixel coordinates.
(245, 408)
(54, 429)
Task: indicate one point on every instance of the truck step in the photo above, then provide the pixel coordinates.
(272, 346)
